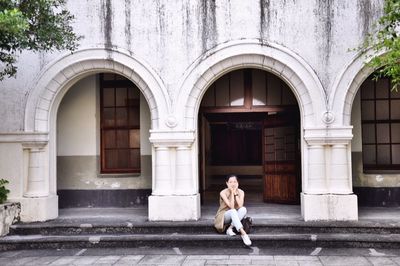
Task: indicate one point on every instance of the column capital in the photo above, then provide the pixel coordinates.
(172, 138)
(328, 135)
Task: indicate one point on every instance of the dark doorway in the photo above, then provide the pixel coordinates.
(249, 126)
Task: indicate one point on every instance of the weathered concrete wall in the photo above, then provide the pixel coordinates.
(78, 142)
(169, 35)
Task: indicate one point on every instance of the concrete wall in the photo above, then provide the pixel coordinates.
(78, 142)
(170, 35)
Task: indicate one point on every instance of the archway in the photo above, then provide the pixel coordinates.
(44, 101)
(249, 125)
(103, 148)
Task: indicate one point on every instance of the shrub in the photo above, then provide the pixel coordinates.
(3, 191)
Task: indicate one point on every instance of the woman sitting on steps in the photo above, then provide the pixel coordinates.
(231, 210)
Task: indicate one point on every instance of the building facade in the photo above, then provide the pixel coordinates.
(159, 92)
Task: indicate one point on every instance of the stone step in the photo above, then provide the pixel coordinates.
(200, 227)
(18, 242)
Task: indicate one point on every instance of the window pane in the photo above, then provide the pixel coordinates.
(108, 97)
(383, 154)
(108, 76)
(134, 158)
(134, 138)
(119, 77)
(121, 97)
(123, 159)
(122, 138)
(108, 117)
(396, 133)
(121, 116)
(109, 139)
(290, 156)
(274, 90)
(279, 143)
(395, 94)
(270, 156)
(288, 96)
(382, 133)
(382, 109)
(133, 93)
(396, 154)
(382, 88)
(134, 116)
(368, 133)
(395, 109)
(367, 89)
(111, 159)
(280, 155)
(369, 154)
(259, 87)
(368, 110)
(237, 88)
(222, 91)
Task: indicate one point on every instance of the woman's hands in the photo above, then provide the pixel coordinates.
(233, 193)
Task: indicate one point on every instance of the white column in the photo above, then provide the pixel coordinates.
(162, 181)
(184, 184)
(37, 184)
(37, 203)
(328, 194)
(316, 181)
(339, 170)
(175, 194)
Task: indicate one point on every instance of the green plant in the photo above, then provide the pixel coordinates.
(34, 25)
(3, 190)
(386, 38)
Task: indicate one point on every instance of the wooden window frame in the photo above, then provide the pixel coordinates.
(135, 103)
(375, 122)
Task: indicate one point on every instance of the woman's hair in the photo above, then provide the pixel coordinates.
(231, 175)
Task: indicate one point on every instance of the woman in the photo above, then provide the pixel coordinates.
(231, 210)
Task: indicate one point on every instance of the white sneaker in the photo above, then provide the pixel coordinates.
(230, 232)
(246, 240)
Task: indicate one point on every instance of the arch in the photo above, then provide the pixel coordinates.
(347, 84)
(251, 54)
(54, 81)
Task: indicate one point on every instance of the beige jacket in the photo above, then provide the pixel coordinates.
(219, 217)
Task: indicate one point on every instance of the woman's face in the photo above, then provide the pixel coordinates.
(232, 183)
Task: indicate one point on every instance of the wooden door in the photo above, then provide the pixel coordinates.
(281, 159)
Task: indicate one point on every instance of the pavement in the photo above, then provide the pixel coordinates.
(208, 256)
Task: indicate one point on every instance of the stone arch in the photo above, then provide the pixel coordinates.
(54, 82)
(243, 54)
(347, 84)
(44, 99)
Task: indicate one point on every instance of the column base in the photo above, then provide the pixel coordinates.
(174, 208)
(330, 207)
(38, 209)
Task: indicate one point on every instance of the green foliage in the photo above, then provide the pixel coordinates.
(33, 25)
(386, 38)
(3, 191)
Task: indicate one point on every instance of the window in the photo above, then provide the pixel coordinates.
(380, 120)
(120, 125)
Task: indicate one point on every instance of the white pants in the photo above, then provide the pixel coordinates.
(234, 217)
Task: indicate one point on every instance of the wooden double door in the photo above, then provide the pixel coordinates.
(281, 158)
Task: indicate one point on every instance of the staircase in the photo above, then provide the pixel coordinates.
(273, 233)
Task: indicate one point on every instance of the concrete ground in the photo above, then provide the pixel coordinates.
(207, 256)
